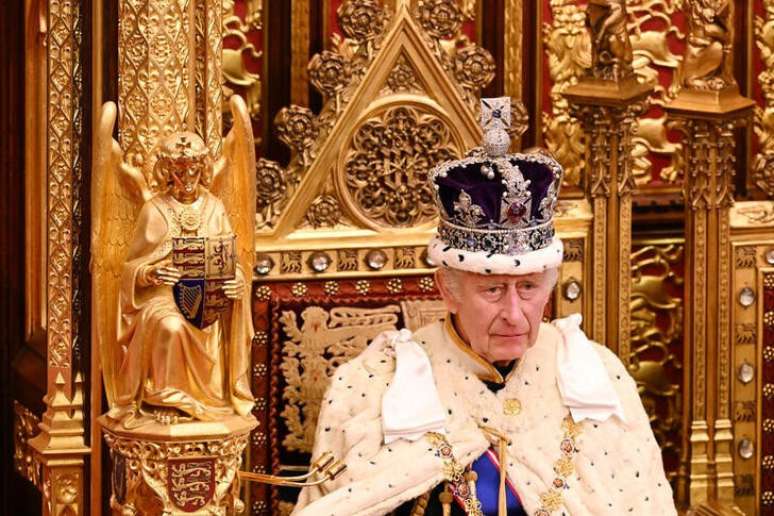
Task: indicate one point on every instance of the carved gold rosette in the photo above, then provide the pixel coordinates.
(189, 469)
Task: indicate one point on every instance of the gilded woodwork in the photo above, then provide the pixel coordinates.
(64, 167)
(708, 63)
(236, 61)
(208, 37)
(60, 449)
(194, 472)
(387, 162)
(763, 166)
(607, 99)
(299, 52)
(568, 48)
(656, 361)
(35, 165)
(710, 108)
(323, 340)
(751, 244)
(514, 28)
(654, 31)
(155, 38)
(389, 76)
(25, 427)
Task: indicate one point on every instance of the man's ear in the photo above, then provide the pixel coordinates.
(452, 305)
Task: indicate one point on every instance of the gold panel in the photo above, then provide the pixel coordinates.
(237, 77)
(317, 346)
(154, 97)
(25, 427)
(64, 162)
(568, 47)
(751, 246)
(657, 347)
(763, 166)
(364, 80)
(35, 182)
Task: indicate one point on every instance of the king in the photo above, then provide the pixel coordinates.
(491, 412)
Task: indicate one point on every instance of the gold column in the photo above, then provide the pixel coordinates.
(709, 107)
(156, 83)
(60, 448)
(209, 76)
(607, 100)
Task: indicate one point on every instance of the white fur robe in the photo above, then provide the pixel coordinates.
(616, 467)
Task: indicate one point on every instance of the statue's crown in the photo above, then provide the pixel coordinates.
(493, 201)
(182, 146)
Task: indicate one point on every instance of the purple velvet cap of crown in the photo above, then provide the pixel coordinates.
(541, 173)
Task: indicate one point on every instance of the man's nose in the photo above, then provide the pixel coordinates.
(513, 309)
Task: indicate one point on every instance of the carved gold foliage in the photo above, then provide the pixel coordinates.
(403, 78)
(312, 351)
(763, 167)
(236, 75)
(25, 427)
(656, 334)
(274, 185)
(329, 72)
(651, 32)
(208, 36)
(705, 139)
(141, 464)
(408, 43)
(64, 168)
(153, 95)
(324, 212)
(568, 47)
(419, 313)
(388, 162)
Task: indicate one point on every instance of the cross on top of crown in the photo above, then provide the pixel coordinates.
(495, 113)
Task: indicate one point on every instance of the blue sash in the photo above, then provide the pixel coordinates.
(488, 487)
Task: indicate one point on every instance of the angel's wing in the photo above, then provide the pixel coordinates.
(234, 183)
(117, 192)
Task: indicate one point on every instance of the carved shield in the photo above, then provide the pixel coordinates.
(191, 482)
(205, 263)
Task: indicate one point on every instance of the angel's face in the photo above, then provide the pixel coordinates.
(185, 181)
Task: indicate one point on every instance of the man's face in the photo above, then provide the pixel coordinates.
(499, 316)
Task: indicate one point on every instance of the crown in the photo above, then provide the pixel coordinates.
(495, 202)
(182, 147)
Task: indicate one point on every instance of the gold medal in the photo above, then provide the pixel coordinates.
(512, 407)
(190, 220)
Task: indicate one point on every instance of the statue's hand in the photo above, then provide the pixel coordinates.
(166, 274)
(234, 288)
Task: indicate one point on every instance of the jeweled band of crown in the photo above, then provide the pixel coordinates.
(512, 242)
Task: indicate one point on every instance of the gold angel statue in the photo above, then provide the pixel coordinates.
(172, 257)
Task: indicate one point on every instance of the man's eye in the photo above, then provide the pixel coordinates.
(527, 285)
(494, 290)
